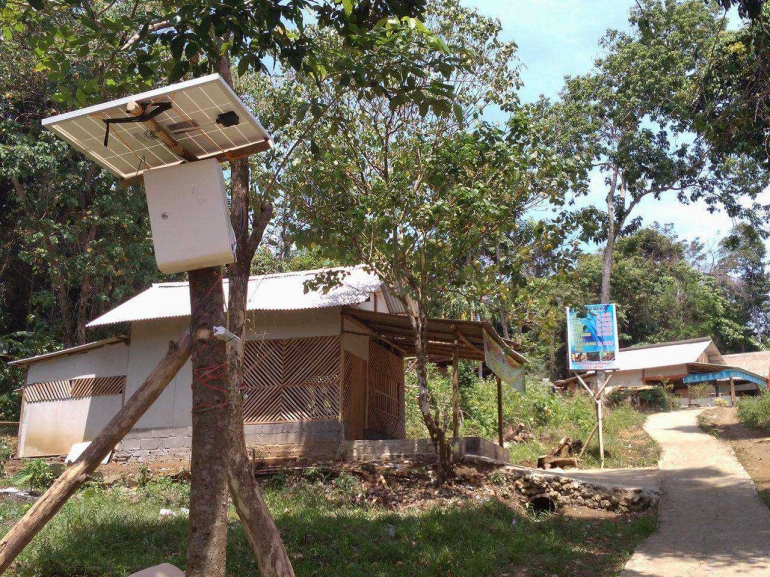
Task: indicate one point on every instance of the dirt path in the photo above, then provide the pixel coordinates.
(712, 522)
(752, 446)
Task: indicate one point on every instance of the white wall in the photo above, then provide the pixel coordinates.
(149, 343)
(52, 427)
(109, 361)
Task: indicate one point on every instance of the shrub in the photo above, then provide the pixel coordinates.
(6, 452)
(720, 402)
(755, 411)
(36, 474)
(659, 398)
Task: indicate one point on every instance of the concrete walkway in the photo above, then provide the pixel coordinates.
(712, 522)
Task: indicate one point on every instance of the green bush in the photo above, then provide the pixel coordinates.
(755, 411)
(36, 474)
(660, 398)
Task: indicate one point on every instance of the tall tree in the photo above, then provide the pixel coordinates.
(623, 120)
(415, 193)
(742, 273)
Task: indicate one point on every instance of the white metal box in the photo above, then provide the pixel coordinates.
(189, 217)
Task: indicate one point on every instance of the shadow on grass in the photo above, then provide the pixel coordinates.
(470, 539)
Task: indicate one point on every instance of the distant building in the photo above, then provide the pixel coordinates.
(680, 363)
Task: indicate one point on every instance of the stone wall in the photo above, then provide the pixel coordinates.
(564, 491)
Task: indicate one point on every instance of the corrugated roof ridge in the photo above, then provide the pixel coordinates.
(667, 344)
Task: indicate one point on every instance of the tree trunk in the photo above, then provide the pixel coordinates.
(612, 234)
(432, 421)
(259, 526)
(207, 529)
(65, 486)
(261, 532)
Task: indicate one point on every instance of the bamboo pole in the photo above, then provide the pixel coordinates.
(65, 486)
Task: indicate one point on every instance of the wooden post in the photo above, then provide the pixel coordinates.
(455, 388)
(135, 109)
(600, 428)
(65, 486)
(207, 528)
(499, 411)
(732, 390)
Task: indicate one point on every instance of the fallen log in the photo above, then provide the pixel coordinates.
(71, 480)
(552, 462)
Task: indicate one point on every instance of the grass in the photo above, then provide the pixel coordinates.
(116, 531)
(549, 416)
(626, 444)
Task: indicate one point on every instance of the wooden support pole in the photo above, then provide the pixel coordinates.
(65, 486)
(588, 440)
(207, 528)
(597, 396)
(455, 388)
(135, 109)
(500, 411)
(600, 429)
(732, 391)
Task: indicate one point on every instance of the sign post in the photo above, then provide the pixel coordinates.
(592, 344)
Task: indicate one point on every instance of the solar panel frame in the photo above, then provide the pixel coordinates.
(134, 149)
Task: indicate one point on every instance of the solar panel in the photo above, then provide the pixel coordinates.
(204, 116)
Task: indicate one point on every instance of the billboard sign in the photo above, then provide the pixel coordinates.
(592, 337)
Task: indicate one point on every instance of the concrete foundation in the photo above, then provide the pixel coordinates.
(419, 448)
(312, 439)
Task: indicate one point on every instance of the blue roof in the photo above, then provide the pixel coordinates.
(724, 375)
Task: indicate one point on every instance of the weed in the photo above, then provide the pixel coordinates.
(755, 411)
(36, 474)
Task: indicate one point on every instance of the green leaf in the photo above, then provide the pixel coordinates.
(347, 6)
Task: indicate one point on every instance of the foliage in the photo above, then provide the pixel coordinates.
(623, 120)
(659, 398)
(327, 536)
(755, 411)
(36, 474)
(700, 390)
(666, 292)
(549, 416)
(731, 104)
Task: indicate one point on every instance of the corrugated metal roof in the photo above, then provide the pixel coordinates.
(70, 351)
(666, 354)
(757, 362)
(274, 292)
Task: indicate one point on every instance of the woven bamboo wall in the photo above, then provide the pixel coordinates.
(292, 380)
(386, 405)
(74, 389)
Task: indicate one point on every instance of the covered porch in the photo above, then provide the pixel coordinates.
(449, 341)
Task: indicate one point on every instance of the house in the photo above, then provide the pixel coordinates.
(678, 363)
(320, 367)
(757, 362)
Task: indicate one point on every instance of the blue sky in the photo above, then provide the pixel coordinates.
(560, 37)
